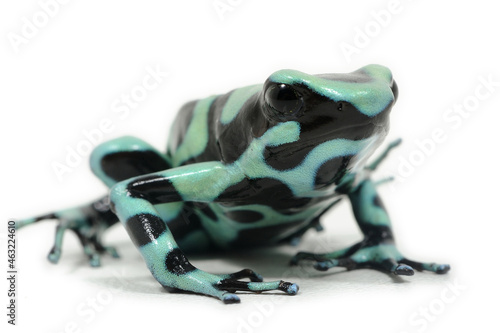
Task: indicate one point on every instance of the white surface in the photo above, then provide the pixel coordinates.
(66, 78)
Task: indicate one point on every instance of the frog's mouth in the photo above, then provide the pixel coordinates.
(371, 144)
(367, 130)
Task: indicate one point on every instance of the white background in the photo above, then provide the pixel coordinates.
(65, 78)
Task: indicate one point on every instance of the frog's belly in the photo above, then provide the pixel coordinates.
(254, 225)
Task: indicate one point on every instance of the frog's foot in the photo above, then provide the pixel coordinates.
(93, 248)
(88, 222)
(56, 251)
(383, 257)
(223, 286)
(93, 256)
(54, 255)
(110, 250)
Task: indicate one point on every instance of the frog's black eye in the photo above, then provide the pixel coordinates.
(285, 100)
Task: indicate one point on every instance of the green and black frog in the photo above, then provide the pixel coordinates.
(257, 166)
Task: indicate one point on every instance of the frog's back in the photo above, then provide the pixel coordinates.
(201, 126)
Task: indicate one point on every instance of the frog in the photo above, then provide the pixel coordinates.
(257, 166)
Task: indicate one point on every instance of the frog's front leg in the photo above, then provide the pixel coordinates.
(133, 202)
(377, 249)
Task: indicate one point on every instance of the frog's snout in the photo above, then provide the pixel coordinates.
(383, 75)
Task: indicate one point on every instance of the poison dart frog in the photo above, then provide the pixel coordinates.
(257, 166)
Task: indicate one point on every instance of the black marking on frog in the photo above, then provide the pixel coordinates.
(206, 210)
(132, 163)
(332, 171)
(154, 188)
(264, 235)
(244, 216)
(144, 228)
(263, 191)
(177, 263)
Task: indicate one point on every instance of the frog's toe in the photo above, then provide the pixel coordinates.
(244, 273)
(230, 299)
(289, 288)
(442, 268)
(111, 251)
(389, 263)
(387, 258)
(232, 285)
(330, 263)
(93, 256)
(403, 269)
(431, 267)
(95, 261)
(294, 241)
(223, 286)
(300, 256)
(324, 265)
(54, 256)
(327, 260)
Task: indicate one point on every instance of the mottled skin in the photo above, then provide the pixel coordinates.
(256, 166)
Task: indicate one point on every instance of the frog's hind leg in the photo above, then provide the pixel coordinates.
(127, 157)
(186, 227)
(124, 158)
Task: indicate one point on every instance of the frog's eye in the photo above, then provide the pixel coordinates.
(285, 100)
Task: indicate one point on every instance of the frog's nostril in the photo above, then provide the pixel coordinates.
(395, 91)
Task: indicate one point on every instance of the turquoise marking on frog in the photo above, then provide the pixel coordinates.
(370, 95)
(257, 166)
(197, 134)
(236, 102)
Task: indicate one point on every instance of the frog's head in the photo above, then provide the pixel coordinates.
(350, 106)
(353, 107)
